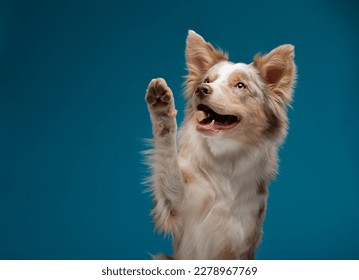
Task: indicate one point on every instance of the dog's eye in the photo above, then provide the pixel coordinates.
(240, 85)
(206, 81)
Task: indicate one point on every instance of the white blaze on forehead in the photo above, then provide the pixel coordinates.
(223, 70)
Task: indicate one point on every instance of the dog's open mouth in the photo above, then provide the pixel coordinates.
(209, 120)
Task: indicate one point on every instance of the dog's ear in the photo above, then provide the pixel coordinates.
(200, 56)
(278, 70)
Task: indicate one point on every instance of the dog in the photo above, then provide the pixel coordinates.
(210, 180)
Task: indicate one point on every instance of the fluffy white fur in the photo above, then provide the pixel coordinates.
(210, 188)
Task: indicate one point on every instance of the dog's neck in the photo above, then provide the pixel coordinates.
(222, 147)
(218, 153)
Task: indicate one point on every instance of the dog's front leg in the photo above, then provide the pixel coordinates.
(166, 176)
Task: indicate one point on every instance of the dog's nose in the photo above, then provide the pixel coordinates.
(202, 91)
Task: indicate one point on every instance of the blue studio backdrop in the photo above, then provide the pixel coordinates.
(73, 118)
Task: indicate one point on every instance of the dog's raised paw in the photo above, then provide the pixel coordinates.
(159, 96)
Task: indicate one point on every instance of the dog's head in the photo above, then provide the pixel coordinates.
(243, 102)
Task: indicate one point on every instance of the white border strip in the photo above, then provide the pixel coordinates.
(186, 270)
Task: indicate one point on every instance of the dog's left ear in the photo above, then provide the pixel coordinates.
(278, 70)
(200, 56)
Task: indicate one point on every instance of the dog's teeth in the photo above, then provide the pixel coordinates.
(212, 122)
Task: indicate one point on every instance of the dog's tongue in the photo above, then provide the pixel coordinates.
(208, 120)
(209, 127)
(200, 116)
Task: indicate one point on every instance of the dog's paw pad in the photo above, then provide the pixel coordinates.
(151, 96)
(158, 93)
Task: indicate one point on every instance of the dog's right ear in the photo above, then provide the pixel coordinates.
(278, 70)
(200, 56)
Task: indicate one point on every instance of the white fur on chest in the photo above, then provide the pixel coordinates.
(220, 199)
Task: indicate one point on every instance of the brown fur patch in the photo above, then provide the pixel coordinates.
(262, 188)
(253, 124)
(248, 255)
(274, 124)
(185, 177)
(226, 254)
(211, 77)
(172, 211)
(165, 131)
(261, 211)
(237, 77)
